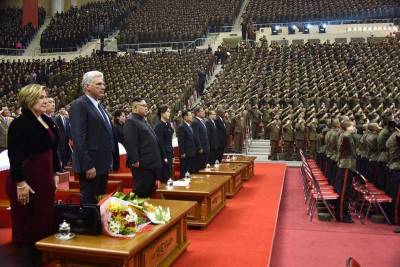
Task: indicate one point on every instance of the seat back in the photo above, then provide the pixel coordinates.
(351, 262)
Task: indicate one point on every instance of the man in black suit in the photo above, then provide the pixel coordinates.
(93, 138)
(222, 135)
(64, 133)
(144, 154)
(200, 134)
(186, 144)
(212, 136)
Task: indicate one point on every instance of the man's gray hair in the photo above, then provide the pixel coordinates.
(89, 76)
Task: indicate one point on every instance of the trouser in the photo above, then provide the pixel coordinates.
(200, 161)
(186, 165)
(166, 172)
(144, 181)
(28, 255)
(363, 166)
(220, 153)
(288, 150)
(274, 149)
(254, 130)
(381, 175)
(266, 132)
(213, 156)
(238, 140)
(313, 150)
(393, 190)
(372, 175)
(90, 189)
(343, 188)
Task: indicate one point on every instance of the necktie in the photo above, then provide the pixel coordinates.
(105, 118)
(190, 128)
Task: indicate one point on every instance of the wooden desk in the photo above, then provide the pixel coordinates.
(237, 172)
(159, 247)
(249, 161)
(207, 190)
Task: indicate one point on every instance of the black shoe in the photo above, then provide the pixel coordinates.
(397, 230)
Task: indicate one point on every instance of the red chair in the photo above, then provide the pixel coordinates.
(350, 262)
(370, 195)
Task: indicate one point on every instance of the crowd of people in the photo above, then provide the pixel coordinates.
(302, 11)
(161, 77)
(12, 34)
(16, 73)
(72, 29)
(177, 20)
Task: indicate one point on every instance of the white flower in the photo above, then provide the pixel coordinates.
(114, 226)
(131, 217)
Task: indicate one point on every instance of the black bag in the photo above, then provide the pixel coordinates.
(84, 219)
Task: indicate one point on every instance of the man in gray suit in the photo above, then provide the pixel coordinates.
(5, 121)
(93, 139)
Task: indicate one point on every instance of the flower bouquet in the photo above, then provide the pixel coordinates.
(120, 218)
(156, 214)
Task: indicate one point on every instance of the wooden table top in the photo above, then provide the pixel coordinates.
(201, 184)
(117, 247)
(225, 168)
(241, 158)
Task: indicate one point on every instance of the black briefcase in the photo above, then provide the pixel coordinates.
(84, 219)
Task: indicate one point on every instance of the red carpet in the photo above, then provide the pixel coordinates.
(243, 233)
(302, 243)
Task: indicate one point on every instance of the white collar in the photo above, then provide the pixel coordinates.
(94, 101)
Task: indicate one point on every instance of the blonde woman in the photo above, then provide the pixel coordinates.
(32, 146)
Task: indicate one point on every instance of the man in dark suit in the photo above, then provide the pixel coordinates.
(93, 138)
(186, 144)
(64, 133)
(222, 135)
(212, 136)
(144, 154)
(200, 134)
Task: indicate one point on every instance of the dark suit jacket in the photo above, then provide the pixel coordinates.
(119, 133)
(27, 137)
(212, 135)
(200, 134)
(221, 132)
(141, 143)
(64, 133)
(93, 145)
(186, 141)
(164, 134)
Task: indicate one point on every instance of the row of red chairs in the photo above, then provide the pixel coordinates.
(317, 188)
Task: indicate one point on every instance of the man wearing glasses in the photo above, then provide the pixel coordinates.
(144, 155)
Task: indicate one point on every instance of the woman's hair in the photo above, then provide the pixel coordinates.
(117, 114)
(29, 95)
(162, 109)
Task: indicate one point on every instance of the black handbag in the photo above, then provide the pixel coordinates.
(84, 219)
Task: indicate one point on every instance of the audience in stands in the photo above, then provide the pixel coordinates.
(12, 34)
(177, 20)
(72, 29)
(162, 78)
(15, 74)
(325, 10)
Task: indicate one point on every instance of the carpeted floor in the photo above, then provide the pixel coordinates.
(300, 243)
(243, 233)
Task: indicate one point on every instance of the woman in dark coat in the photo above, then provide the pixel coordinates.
(32, 150)
(164, 132)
